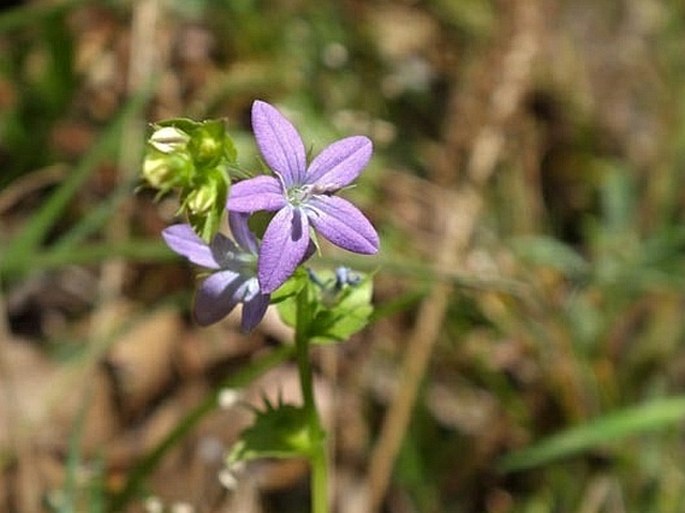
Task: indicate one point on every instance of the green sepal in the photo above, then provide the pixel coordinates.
(185, 124)
(210, 145)
(278, 431)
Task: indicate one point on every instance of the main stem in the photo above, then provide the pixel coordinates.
(317, 457)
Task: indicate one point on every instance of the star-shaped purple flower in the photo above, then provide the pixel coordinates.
(234, 271)
(302, 196)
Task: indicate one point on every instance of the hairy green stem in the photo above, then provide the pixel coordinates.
(317, 457)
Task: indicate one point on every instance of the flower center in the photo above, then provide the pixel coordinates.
(299, 194)
(248, 263)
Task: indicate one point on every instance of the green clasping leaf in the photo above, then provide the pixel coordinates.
(339, 309)
(348, 314)
(279, 431)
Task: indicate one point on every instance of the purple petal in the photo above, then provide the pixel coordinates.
(217, 296)
(253, 311)
(258, 193)
(225, 252)
(343, 224)
(241, 231)
(284, 245)
(340, 163)
(279, 143)
(183, 240)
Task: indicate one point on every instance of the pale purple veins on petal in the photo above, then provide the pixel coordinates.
(258, 193)
(183, 240)
(283, 247)
(279, 143)
(241, 231)
(343, 224)
(217, 296)
(340, 163)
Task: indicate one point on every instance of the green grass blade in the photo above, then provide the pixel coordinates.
(69, 497)
(96, 488)
(657, 414)
(93, 220)
(140, 250)
(40, 223)
(425, 272)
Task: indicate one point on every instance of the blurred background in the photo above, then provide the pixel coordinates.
(527, 352)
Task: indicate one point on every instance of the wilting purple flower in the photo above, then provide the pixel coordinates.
(302, 196)
(234, 271)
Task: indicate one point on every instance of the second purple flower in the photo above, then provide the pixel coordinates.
(302, 196)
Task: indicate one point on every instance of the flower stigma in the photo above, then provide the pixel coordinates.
(299, 194)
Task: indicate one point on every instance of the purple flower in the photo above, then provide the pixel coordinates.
(302, 196)
(234, 271)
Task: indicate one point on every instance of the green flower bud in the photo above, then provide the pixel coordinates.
(169, 139)
(209, 149)
(166, 171)
(207, 144)
(201, 199)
